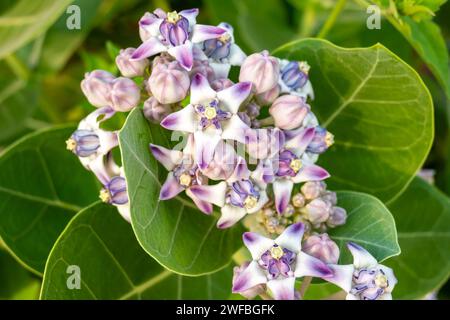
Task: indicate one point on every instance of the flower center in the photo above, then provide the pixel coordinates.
(105, 196)
(185, 180)
(329, 139)
(71, 144)
(276, 252)
(210, 113)
(369, 283)
(296, 165)
(243, 194)
(277, 261)
(224, 38)
(250, 202)
(304, 67)
(173, 17)
(381, 281)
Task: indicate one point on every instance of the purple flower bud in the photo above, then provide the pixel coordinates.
(261, 70)
(221, 84)
(125, 94)
(321, 142)
(130, 68)
(245, 118)
(253, 110)
(289, 111)
(313, 189)
(169, 83)
(251, 292)
(329, 196)
(269, 96)
(155, 111)
(337, 217)
(322, 247)
(295, 74)
(96, 86)
(298, 200)
(203, 68)
(317, 211)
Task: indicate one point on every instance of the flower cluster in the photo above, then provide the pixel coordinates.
(248, 144)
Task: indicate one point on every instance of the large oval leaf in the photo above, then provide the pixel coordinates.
(379, 110)
(174, 232)
(422, 214)
(369, 223)
(42, 185)
(112, 265)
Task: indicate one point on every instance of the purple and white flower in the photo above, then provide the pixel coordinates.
(211, 116)
(115, 192)
(294, 78)
(365, 279)
(174, 33)
(277, 263)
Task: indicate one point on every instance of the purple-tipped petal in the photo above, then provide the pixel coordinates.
(342, 276)
(205, 145)
(168, 158)
(230, 215)
(240, 172)
(361, 257)
(183, 54)
(149, 48)
(237, 56)
(307, 265)
(183, 120)
(204, 206)
(191, 15)
(282, 189)
(201, 90)
(234, 96)
(291, 237)
(170, 188)
(250, 277)
(203, 32)
(214, 194)
(235, 129)
(311, 172)
(299, 142)
(257, 244)
(282, 289)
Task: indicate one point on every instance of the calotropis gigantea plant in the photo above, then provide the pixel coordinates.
(249, 149)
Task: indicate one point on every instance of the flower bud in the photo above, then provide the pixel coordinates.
(96, 86)
(130, 68)
(295, 74)
(221, 84)
(330, 197)
(268, 96)
(203, 68)
(253, 110)
(251, 292)
(289, 111)
(312, 189)
(261, 70)
(125, 94)
(245, 118)
(317, 211)
(155, 111)
(298, 200)
(322, 247)
(169, 83)
(321, 142)
(289, 211)
(337, 217)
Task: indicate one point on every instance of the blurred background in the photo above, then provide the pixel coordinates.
(42, 63)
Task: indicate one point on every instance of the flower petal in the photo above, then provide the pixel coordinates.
(183, 54)
(170, 188)
(250, 277)
(184, 120)
(240, 172)
(214, 194)
(307, 265)
(168, 158)
(203, 32)
(230, 215)
(201, 90)
(351, 297)
(191, 15)
(147, 49)
(234, 96)
(204, 206)
(237, 56)
(282, 189)
(124, 211)
(234, 129)
(386, 296)
(311, 172)
(361, 257)
(299, 142)
(221, 70)
(342, 276)
(257, 244)
(390, 276)
(291, 237)
(282, 289)
(205, 145)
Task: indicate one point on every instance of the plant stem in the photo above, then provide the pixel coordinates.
(332, 18)
(18, 67)
(266, 121)
(305, 285)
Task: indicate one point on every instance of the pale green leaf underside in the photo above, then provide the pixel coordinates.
(113, 265)
(422, 214)
(174, 232)
(377, 107)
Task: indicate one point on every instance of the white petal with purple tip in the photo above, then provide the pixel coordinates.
(230, 215)
(170, 188)
(250, 277)
(282, 289)
(310, 172)
(206, 142)
(183, 54)
(191, 15)
(361, 257)
(240, 172)
(232, 97)
(204, 206)
(342, 276)
(291, 237)
(203, 32)
(234, 129)
(184, 120)
(282, 189)
(221, 70)
(307, 265)
(257, 244)
(201, 90)
(214, 194)
(147, 49)
(300, 142)
(168, 158)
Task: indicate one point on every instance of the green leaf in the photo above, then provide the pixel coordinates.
(369, 224)
(422, 214)
(16, 282)
(174, 232)
(113, 266)
(42, 185)
(377, 107)
(26, 20)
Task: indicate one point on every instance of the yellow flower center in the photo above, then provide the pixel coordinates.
(224, 38)
(210, 113)
(71, 144)
(329, 139)
(276, 252)
(296, 165)
(381, 281)
(304, 67)
(173, 17)
(250, 202)
(185, 180)
(104, 195)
